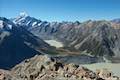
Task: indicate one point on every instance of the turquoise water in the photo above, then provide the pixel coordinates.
(114, 67)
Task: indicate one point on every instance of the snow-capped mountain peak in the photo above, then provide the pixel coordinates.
(23, 14)
(25, 20)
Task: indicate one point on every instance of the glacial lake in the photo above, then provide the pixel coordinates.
(54, 43)
(114, 67)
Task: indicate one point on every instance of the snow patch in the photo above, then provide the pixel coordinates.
(28, 23)
(10, 26)
(34, 23)
(1, 24)
(39, 24)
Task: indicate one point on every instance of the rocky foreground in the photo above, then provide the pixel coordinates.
(44, 67)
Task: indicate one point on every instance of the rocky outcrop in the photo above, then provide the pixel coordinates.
(44, 67)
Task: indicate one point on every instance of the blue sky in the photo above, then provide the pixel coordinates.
(62, 10)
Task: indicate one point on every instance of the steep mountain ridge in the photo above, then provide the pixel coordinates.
(17, 44)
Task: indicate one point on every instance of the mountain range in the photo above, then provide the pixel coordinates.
(24, 36)
(97, 38)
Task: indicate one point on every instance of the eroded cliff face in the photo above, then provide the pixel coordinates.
(43, 67)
